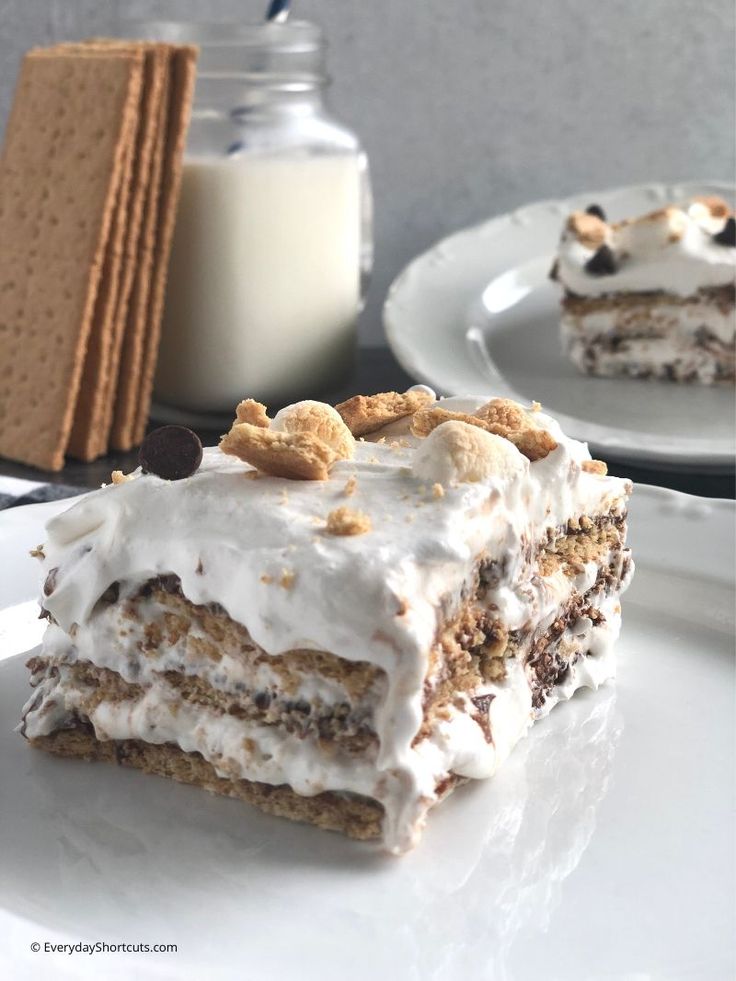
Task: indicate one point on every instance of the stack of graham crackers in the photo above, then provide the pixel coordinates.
(89, 183)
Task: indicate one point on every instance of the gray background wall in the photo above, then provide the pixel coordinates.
(470, 108)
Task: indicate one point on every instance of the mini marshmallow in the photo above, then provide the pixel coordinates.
(321, 420)
(455, 452)
(651, 232)
(709, 213)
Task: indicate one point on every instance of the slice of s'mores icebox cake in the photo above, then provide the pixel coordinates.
(652, 296)
(338, 614)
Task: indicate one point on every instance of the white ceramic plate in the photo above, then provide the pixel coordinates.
(477, 314)
(603, 847)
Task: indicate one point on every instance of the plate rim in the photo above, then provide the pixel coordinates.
(715, 461)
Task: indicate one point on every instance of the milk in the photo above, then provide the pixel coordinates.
(264, 280)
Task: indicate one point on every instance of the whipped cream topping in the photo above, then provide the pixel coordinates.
(672, 250)
(258, 546)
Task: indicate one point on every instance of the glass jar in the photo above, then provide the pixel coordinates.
(273, 244)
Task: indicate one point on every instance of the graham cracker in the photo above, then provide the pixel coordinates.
(127, 381)
(138, 248)
(73, 118)
(83, 439)
(138, 364)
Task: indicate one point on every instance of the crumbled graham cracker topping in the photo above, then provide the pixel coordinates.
(501, 417)
(297, 456)
(367, 413)
(594, 466)
(346, 521)
(253, 412)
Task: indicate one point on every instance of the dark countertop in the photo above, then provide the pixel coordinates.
(376, 371)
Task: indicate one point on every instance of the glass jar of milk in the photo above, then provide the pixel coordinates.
(273, 232)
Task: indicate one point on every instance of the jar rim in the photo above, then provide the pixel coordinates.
(297, 36)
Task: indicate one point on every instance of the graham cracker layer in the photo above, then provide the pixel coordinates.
(209, 631)
(331, 725)
(354, 816)
(63, 161)
(722, 297)
(473, 648)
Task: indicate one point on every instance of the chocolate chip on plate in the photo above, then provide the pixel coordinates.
(482, 702)
(727, 235)
(595, 209)
(50, 584)
(171, 452)
(602, 262)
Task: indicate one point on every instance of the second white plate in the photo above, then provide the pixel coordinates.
(477, 315)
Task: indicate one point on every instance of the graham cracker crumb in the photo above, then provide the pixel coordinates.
(266, 579)
(287, 578)
(37, 552)
(252, 412)
(367, 413)
(505, 412)
(346, 521)
(296, 456)
(594, 466)
(425, 420)
(438, 490)
(504, 417)
(118, 477)
(350, 486)
(536, 407)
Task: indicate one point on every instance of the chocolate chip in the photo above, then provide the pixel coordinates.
(50, 585)
(595, 209)
(482, 703)
(44, 614)
(111, 594)
(171, 452)
(262, 700)
(553, 274)
(727, 235)
(602, 262)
